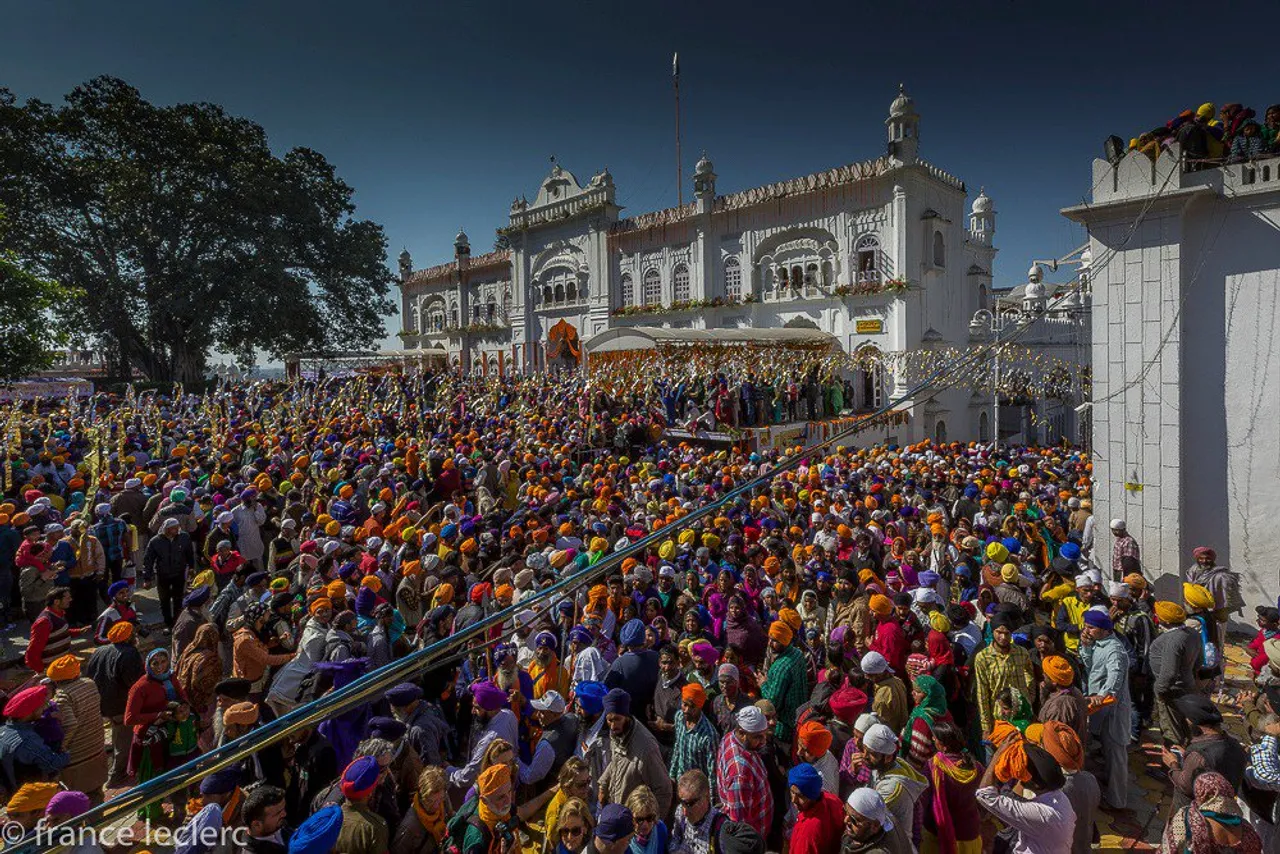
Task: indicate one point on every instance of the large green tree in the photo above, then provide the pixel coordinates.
(30, 329)
(185, 232)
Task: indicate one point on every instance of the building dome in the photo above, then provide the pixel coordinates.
(461, 239)
(902, 105)
(982, 204)
(1035, 283)
(704, 166)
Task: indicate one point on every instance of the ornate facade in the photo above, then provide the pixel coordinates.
(882, 253)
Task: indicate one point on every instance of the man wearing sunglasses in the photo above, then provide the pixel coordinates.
(697, 824)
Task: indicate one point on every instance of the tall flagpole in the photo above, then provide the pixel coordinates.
(675, 80)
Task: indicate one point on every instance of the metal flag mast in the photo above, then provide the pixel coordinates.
(675, 80)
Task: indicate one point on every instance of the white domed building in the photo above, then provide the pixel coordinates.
(874, 254)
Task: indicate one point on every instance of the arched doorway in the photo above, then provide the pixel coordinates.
(940, 432)
(564, 350)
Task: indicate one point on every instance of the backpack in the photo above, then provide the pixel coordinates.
(1210, 658)
(456, 830)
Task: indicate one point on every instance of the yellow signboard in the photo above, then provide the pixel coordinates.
(869, 327)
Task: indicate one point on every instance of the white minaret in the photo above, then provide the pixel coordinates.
(904, 128)
(982, 220)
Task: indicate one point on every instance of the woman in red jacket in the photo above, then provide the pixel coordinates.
(153, 701)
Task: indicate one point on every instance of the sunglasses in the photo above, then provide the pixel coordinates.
(572, 831)
(647, 819)
(690, 802)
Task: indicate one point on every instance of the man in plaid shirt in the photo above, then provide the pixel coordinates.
(696, 738)
(741, 777)
(110, 531)
(787, 683)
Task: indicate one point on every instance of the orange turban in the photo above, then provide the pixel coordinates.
(694, 693)
(815, 737)
(1063, 744)
(504, 591)
(32, 797)
(318, 603)
(120, 631)
(781, 632)
(336, 590)
(1058, 670)
(1012, 764)
(881, 605)
(443, 595)
(1136, 581)
(493, 778)
(867, 576)
(63, 668)
(373, 582)
(791, 617)
(1001, 732)
(245, 714)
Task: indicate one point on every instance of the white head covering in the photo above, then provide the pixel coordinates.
(589, 666)
(1095, 577)
(1083, 579)
(730, 670)
(866, 721)
(752, 719)
(1117, 525)
(1118, 590)
(867, 803)
(880, 739)
(874, 662)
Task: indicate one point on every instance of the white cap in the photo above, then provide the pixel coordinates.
(867, 803)
(1117, 525)
(55, 528)
(527, 616)
(874, 662)
(666, 571)
(374, 543)
(133, 483)
(1095, 576)
(1118, 590)
(751, 719)
(332, 546)
(866, 721)
(549, 702)
(224, 518)
(1082, 579)
(880, 739)
(169, 523)
(728, 670)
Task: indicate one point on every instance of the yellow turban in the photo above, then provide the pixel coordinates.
(31, 797)
(63, 668)
(881, 605)
(1198, 598)
(333, 528)
(1170, 613)
(599, 544)
(373, 582)
(1009, 572)
(667, 550)
(686, 537)
(711, 541)
(938, 622)
(336, 590)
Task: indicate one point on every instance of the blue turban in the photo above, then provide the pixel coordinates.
(319, 833)
(929, 578)
(822, 575)
(580, 634)
(116, 588)
(404, 694)
(632, 633)
(617, 702)
(1012, 545)
(360, 777)
(196, 597)
(1070, 551)
(366, 601)
(448, 532)
(384, 727)
(1097, 619)
(591, 696)
(220, 782)
(546, 639)
(971, 491)
(807, 780)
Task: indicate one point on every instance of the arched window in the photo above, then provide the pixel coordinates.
(939, 250)
(828, 274)
(491, 309)
(559, 298)
(453, 316)
(680, 284)
(868, 258)
(548, 295)
(435, 317)
(982, 296)
(984, 428)
(571, 291)
(733, 278)
(628, 291)
(940, 432)
(506, 306)
(811, 275)
(652, 288)
(797, 277)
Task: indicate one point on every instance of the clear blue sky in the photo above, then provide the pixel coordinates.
(440, 113)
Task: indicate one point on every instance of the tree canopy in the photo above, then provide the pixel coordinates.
(185, 233)
(30, 331)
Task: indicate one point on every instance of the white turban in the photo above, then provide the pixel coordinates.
(867, 803)
(866, 721)
(873, 663)
(752, 720)
(1117, 525)
(880, 739)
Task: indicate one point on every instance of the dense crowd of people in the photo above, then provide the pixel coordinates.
(1207, 136)
(885, 649)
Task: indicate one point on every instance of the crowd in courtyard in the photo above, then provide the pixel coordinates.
(930, 648)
